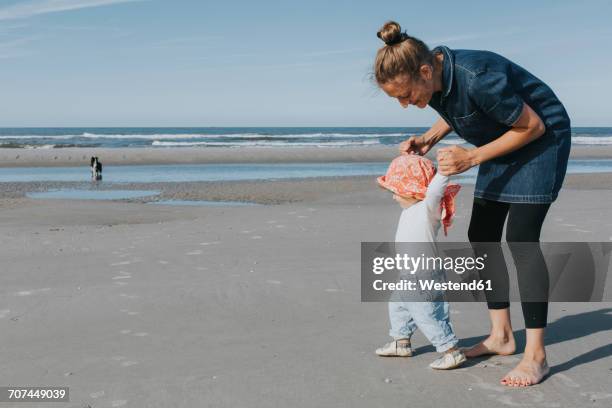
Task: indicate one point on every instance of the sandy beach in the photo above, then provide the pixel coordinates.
(134, 304)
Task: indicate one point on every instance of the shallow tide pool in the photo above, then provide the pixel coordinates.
(234, 172)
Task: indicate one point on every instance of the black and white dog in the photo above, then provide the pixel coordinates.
(96, 169)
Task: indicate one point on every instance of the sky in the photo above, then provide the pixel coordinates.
(273, 63)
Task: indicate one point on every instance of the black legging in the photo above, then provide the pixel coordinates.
(524, 225)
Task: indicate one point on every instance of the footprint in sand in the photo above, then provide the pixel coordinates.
(501, 360)
(596, 396)
(566, 380)
(32, 292)
(506, 400)
(539, 398)
(490, 387)
(480, 383)
(274, 282)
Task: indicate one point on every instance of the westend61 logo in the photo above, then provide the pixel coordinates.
(410, 264)
(426, 273)
(486, 271)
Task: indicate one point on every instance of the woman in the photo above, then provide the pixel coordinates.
(522, 136)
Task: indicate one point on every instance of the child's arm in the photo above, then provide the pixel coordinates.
(435, 192)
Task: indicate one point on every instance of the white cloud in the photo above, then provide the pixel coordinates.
(31, 8)
(474, 36)
(14, 48)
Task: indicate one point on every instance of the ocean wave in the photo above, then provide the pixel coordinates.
(158, 136)
(592, 140)
(267, 144)
(267, 137)
(19, 137)
(453, 141)
(25, 146)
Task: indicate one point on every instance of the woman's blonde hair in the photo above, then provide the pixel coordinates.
(401, 54)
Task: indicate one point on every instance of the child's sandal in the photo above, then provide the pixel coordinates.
(448, 361)
(396, 348)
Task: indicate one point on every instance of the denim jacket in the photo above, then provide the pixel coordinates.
(482, 96)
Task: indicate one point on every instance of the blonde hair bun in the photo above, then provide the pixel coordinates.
(391, 33)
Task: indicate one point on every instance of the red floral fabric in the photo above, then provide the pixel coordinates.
(409, 176)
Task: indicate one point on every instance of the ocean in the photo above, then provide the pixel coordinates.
(209, 137)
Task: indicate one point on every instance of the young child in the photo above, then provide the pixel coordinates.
(427, 200)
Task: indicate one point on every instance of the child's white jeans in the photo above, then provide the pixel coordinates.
(431, 317)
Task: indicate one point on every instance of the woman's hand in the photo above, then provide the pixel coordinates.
(415, 145)
(455, 160)
(422, 144)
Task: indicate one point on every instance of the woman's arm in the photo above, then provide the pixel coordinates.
(527, 128)
(422, 144)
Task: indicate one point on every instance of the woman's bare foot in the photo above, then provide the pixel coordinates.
(503, 345)
(527, 372)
